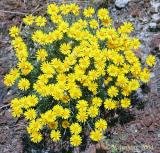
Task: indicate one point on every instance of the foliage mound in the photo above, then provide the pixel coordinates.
(73, 66)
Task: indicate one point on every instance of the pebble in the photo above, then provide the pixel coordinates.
(156, 18)
(155, 7)
(152, 26)
(121, 3)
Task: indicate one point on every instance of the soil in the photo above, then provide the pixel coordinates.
(136, 130)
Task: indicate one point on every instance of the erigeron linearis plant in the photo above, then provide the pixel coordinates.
(73, 66)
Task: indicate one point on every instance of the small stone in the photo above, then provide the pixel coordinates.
(156, 18)
(151, 128)
(135, 13)
(121, 3)
(148, 121)
(154, 7)
(138, 125)
(155, 43)
(152, 26)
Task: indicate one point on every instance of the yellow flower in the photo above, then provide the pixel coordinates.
(75, 140)
(113, 91)
(23, 84)
(92, 111)
(40, 21)
(47, 68)
(52, 9)
(29, 19)
(65, 48)
(65, 124)
(96, 135)
(30, 114)
(75, 128)
(88, 12)
(74, 8)
(36, 137)
(101, 124)
(110, 104)
(145, 75)
(25, 67)
(14, 31)
(82, 116)
(102, 13)
(127, 27)
(55, 135)
(53, 125)
(96, 101)
(66, 113)
(9, 80)
(17, 112)
(82, 105)
(125, 103)
(150, 60)
(41, 55)
(93, 24)
(34, 126)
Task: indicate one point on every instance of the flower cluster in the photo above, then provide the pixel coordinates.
(74, 67)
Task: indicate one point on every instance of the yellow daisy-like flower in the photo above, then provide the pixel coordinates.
(29, 19)
(23, 84)
(36, 137)
(102, 13)
(96, 101)
(55, 135)
(65, 124)
(53, 125)
(41, 55)
(75, 140)
(30, 114)
(92, 111)
(14, 31)
(66, 113)
(82, 116)
(101, 124)
(113, 91)
(10, 78)
(82, 105)
(65, 48)
(110, 104)
(88, 12)
(150, 60)
(125, 103)
(127, 27)
(40, 21)
(75, 128)
(93, 24)
(96, 135)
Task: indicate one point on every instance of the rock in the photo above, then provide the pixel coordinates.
(151, 128)
(135, 12)
(121, 3)
(155, 7)
(152, 26)
(155, 43)
(148, 121)
(156, 18)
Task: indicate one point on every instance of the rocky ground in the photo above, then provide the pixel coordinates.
(140, 131)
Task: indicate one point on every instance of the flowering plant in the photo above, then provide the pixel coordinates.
(73, 66)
